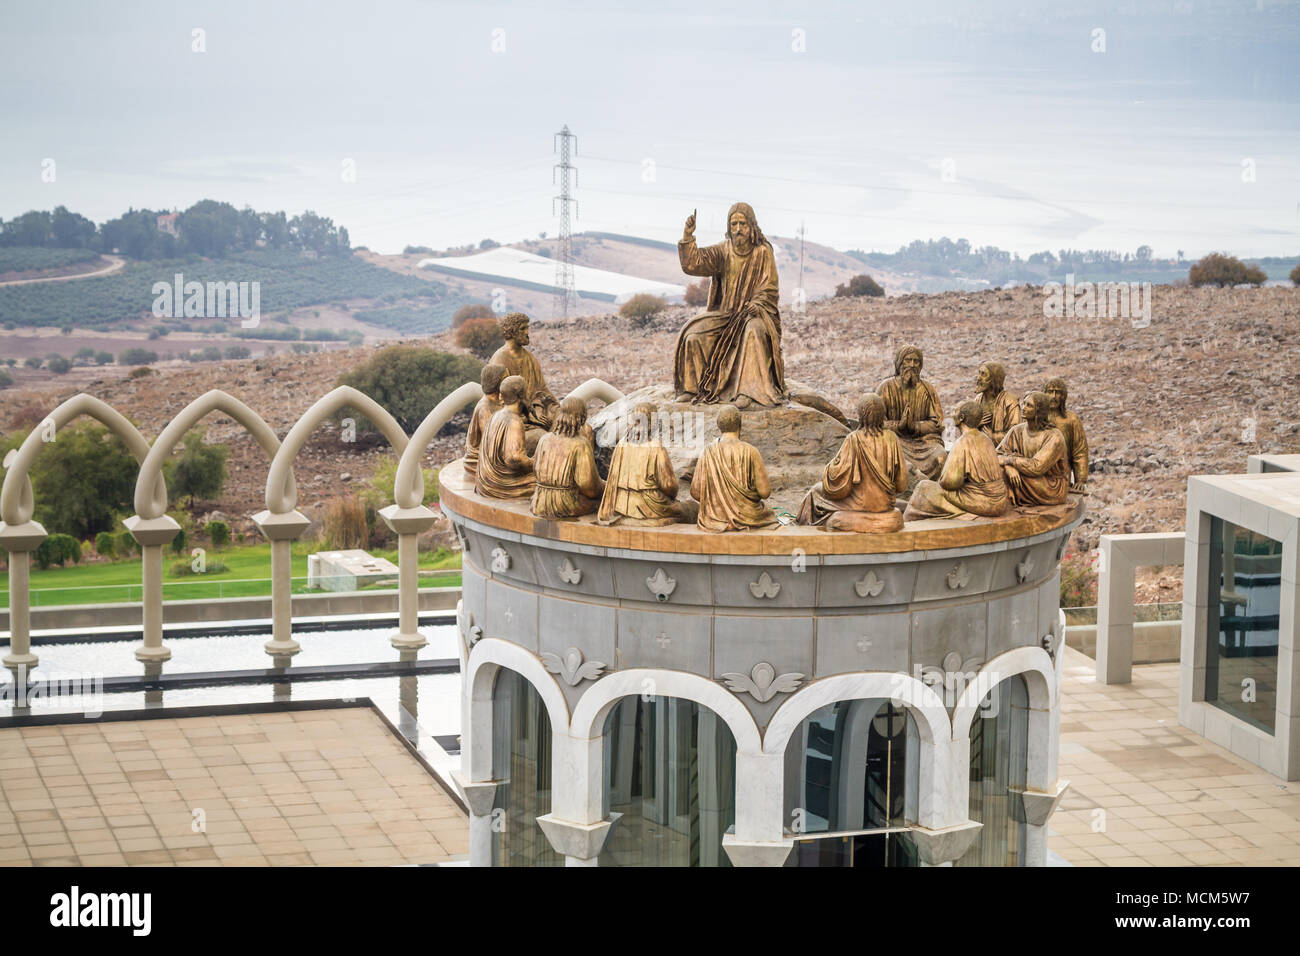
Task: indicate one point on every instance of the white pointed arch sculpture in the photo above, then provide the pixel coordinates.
(17, 503)
(408, 488)
(594, 389)
(147, 505)
(281, 493)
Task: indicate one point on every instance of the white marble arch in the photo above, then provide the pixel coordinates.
(578, 795)
(1035, 665)
(488, 656)
(938, 806)
(281, 495)
(408, 488)
(17, 504)
(147, 506)
(594, 389)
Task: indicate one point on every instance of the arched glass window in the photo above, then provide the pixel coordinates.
(851, 785)
(670, 772)
(521, 762)
(999, 759)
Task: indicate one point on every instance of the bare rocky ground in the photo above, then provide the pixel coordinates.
(1214, 378)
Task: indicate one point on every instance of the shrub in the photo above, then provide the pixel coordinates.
(641, 308)
(480, 336)
(237, 352)
(126, 544)
(697, 293)
(103, 358)
(409, 250)
(303, 348)
(1078, 580)
(343, 525)
(56, 549)
(5, 378)
(84, 354)
(385, 477)
(859, 285)
(104, 544)
(475, 310)
(58, 365)
(198, 470)
(28, 417)
(34, 361)
(1295, 275)
(219, 532)
(209, 353)
(180, 542)
(136, 356)
(1220, 270)
(140, 372)
(409, 380)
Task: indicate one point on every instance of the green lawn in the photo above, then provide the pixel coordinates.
(249, 576)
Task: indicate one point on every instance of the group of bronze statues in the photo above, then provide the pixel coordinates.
(523, 443)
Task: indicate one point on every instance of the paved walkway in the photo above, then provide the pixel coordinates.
(299, 788)
(1147, 792)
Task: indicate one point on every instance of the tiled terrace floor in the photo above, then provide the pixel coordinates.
(299, 788)
(1165, 796)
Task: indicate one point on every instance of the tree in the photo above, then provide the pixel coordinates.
(33, 361)
(103, 358)
(1222, 270)
(104, 544)
(219, 532)
(58, 365)
(5, 378)
(474, 310)
(56, 549)
(237, 352)
(697, 293)
(641, 308)
(480, 336)
(199, 470)
(136, 356)
(859, 285)
(408, 381)
(82, 480)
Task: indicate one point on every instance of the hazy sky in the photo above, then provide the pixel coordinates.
(1001, 122)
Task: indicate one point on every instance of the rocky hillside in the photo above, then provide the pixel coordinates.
(1214, 378)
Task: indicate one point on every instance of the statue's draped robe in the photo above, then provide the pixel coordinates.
(641, 485)
(487, 406)
(539, 403)
(972, 482)
(865, 476)
(504, 468)
(730, 484)
(1006, 415)
(1076, 444)
(911, 407)
(1040, 460)
(734, 348)
(568, 483)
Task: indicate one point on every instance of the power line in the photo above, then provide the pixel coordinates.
(565, 291)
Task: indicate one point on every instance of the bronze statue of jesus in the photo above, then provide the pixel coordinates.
(732, 352)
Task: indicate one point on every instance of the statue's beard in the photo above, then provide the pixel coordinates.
(910, 376)
(741, 242)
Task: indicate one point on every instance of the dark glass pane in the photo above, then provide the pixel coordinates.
(521, 761)
(1245, 571)
(671, 775)
(999, 760)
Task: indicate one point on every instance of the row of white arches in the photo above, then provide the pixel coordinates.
(579, 754)
(20, 534)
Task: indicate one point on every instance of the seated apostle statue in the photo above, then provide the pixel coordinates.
(1076, 442)
(1001, 408)
(730, 481)
(1033, 457)
(912, 412)
(505, 469)
(858, 487)
(487, 406)
(539, 403)
(972, 481)
(568, 484)
(641, 488)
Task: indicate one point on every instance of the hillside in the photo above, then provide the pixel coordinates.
(1159, 404)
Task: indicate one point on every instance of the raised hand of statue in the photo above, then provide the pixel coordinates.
(689, 229)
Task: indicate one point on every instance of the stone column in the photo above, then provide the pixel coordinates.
(479, 797)
(281, 530)
(580, 843)
(1039, 806)
(407, 523)
(1115, 596)
(152, 533)
(942, 847)
(759, 836)
(20, 541)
